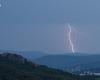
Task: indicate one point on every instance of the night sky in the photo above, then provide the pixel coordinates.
(39, 25)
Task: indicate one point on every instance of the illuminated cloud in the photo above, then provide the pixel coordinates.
(0, 5)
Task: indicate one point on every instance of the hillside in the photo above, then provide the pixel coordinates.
(71, 63)
(27, 54)
(16, 67)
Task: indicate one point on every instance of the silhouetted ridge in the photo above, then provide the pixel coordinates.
(16, 67)
(13, 57)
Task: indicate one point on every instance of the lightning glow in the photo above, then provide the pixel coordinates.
(0, 5)
(70, 39)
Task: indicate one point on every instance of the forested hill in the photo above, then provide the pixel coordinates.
(16, 67)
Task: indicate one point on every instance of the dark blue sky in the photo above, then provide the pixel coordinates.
(39, 25)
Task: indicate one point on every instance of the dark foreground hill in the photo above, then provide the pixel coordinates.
(27, 54)
(15, 67)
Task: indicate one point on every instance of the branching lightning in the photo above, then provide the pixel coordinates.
(70, 39)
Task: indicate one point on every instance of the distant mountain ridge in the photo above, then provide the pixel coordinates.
(70, 62)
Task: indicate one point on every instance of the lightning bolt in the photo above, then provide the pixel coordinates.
(69, 38)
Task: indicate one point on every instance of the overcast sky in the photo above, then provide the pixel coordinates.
(38, 25)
